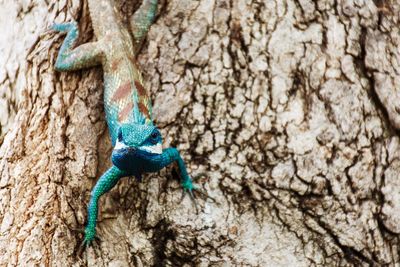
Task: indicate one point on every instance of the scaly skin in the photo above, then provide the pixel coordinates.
(136, 141)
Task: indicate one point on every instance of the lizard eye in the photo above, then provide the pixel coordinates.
(154, 135)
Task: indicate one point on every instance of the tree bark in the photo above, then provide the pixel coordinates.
(290, 107)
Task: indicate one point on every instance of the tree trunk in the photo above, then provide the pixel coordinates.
(290, 107)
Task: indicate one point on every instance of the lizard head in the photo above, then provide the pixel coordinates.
(136, 141)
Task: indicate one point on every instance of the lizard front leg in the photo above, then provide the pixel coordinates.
(171, 155)
(83, 56)
(107, 181)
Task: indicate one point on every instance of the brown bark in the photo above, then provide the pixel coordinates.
(290, 107)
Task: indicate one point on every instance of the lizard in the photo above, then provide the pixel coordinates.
(136, 140)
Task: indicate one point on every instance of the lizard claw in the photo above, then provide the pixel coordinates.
(90, 238)
(190, 191)
(190, 188)
(205, 195)
(201, 191)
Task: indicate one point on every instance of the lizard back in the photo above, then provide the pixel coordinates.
(125, 98)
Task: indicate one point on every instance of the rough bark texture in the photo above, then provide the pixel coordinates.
(290, 107)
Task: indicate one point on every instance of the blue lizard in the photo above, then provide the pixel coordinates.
(137, 142)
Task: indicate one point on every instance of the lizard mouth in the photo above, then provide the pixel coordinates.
(123, 152)
(121, 148)
(123, 157)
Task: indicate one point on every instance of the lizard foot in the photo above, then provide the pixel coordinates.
(89, 238)
(190, 188)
